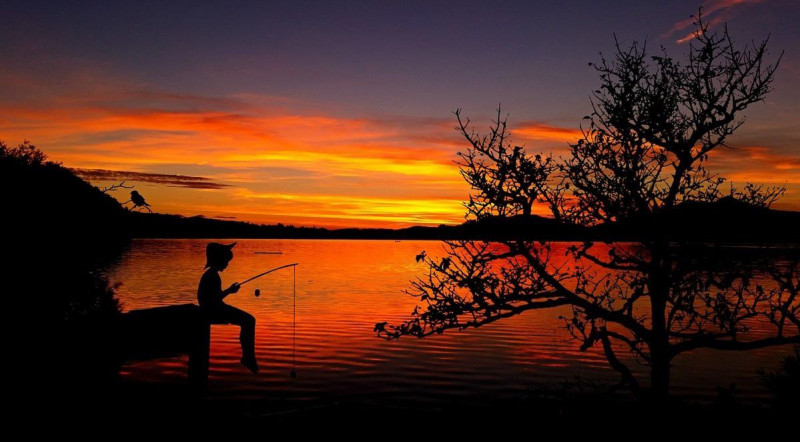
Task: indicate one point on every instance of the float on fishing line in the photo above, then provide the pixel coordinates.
(293, 373)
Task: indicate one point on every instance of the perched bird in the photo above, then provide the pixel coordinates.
(138, 201)
(420, 257)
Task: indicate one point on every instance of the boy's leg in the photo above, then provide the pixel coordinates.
(247, 334)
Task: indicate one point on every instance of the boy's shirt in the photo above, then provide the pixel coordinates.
(209, 292)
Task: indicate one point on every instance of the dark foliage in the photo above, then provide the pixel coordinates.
(58, 233)
(785, 382)
(638, 171)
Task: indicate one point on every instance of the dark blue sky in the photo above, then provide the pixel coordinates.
(412, 58)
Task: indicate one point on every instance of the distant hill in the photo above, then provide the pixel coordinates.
(157, 225)
(49, 203)
(147, 225)
(725, 220)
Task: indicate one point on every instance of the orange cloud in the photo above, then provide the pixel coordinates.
(756, 164)
(269, 165)
(401, 210)
(540, 131)
(760, 165)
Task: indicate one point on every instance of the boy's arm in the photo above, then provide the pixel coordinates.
(232, 289)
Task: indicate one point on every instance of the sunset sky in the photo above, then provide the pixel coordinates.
(340, 113)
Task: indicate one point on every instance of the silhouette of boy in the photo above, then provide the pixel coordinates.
(210, 296)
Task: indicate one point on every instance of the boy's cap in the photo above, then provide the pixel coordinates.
(216, 252)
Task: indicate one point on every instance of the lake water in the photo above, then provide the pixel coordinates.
(343, 288)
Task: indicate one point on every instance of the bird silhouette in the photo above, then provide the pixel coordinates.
(138, 201)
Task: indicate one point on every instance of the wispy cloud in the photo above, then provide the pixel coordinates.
(538, 131)
(756, 164)
(761, 165)
(241, 146)
(192, 182)
(266, 160)
(714, 11)
(401, 210)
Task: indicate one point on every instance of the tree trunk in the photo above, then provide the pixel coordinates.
(660, 357)
(659, 374)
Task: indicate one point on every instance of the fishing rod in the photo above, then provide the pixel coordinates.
(267, 273)
(293, 265)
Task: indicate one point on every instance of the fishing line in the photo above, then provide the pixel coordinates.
(293, 373)
(293, 265)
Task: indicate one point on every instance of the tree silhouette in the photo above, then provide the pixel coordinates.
(114, 187)
(654, 121)
(59, 231)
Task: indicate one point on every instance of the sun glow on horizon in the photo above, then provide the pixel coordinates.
(262, 162)
(343, 119)
(257, 162)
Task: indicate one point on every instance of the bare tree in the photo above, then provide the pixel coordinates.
(654, 121)
(114, 187)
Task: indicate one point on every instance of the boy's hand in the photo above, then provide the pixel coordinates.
(234, 288)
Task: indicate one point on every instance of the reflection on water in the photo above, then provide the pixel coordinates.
(343, 288)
